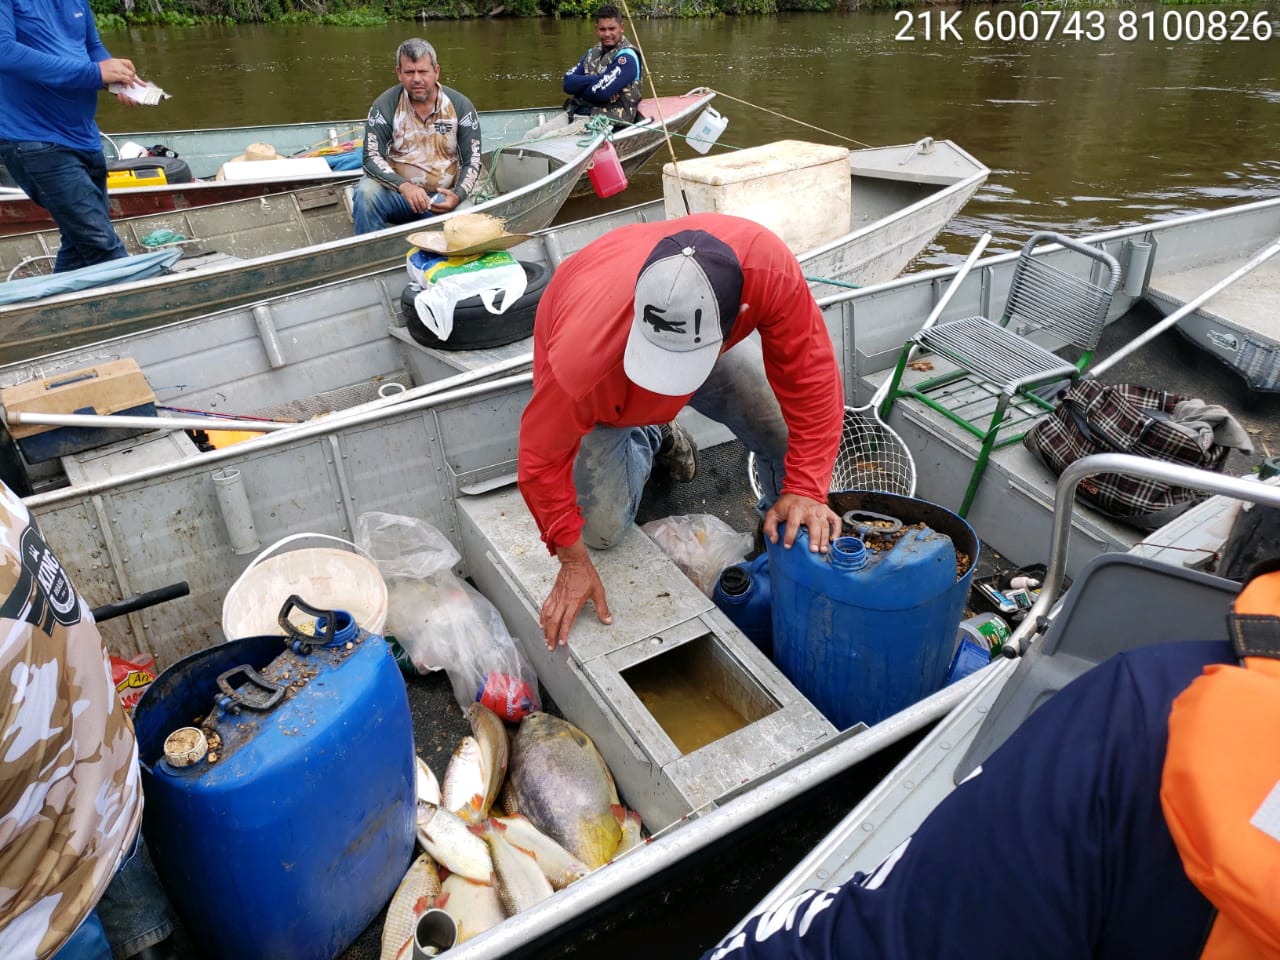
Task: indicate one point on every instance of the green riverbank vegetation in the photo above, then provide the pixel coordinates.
(113, 14)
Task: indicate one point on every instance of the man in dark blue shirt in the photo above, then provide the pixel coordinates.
(52, 65)
(607, 78)
(1056, 849)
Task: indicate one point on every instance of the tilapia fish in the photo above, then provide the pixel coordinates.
(465, 782)
(420, 884)
(452, 843)
(495, 750)
(559, 865)
(475, 907)
(520, 881)
(563, 785)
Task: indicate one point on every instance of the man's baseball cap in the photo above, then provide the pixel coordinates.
(687, 297)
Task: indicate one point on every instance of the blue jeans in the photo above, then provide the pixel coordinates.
(72, 186)
(131, 915)
(376, 206)
(614, 463)
(134, 908)
(89, 942)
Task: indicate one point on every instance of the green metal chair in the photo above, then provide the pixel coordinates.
(990, 393)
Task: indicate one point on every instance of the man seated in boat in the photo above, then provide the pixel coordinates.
(607, 78)
(421, 146)
(635, 326)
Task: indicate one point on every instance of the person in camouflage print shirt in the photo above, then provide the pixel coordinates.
(421, 146)
(70, 793)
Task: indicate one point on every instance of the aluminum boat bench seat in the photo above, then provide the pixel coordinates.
(1239, 325)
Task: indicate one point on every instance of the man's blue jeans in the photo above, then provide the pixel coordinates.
(376, 206)
(132, 914)
(72, 186)
(614, 463)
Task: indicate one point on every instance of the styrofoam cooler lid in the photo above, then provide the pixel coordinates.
(326, 577)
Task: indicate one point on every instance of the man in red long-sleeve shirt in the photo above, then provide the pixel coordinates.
(638, 324)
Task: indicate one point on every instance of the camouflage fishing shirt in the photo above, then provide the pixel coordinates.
(70, 796)
(443, 150)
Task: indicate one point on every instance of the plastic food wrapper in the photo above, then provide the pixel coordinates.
(143, 91)
(443, 622)
(700, 544)
(132, 679)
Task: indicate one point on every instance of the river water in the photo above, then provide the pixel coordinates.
(1080, 134)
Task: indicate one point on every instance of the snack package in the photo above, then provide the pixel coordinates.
(132, 679)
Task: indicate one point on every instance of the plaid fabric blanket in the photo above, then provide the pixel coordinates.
(1094, 417)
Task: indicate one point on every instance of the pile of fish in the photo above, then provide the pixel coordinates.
(518, 817)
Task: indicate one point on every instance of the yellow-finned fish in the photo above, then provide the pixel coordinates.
(632, 833)
(559, 865)
(462, 792)
(414, 895)
(475, 907)
(520, 881)
(495, 750)
(563, 785)
(452, 843)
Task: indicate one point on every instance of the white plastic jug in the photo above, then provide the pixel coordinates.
(706, 130)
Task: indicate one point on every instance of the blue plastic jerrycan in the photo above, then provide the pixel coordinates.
(289, 833)
(870, 627)
(743, 593)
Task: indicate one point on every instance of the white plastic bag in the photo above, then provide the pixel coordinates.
(445, 281)
(443, 622)
(700, 544)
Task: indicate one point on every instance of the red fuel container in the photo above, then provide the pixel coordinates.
(607, 176)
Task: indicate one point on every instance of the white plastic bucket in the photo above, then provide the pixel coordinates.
(324, 577)
(706, 130)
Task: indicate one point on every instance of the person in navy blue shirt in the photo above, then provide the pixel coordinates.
(1056, 849)
(607, 78)
(52, 66)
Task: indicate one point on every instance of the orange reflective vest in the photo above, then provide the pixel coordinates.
(1220, 789)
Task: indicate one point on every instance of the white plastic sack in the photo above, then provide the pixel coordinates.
(445, 281)
(700, 544)
(443, 622)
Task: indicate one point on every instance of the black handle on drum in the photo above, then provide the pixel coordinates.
(330, 618)
(866, 522)
(118, 608)
(258, 693)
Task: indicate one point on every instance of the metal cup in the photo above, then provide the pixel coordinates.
(435, 933)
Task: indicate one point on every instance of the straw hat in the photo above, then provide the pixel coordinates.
(468, 233)
(258, 151)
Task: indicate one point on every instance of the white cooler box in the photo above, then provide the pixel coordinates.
(798, 190)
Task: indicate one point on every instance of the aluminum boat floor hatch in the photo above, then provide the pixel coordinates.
(663, 627)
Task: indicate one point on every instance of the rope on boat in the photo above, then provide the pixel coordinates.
(657, 105)
(784, 116)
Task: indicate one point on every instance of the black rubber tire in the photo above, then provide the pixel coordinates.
(474, 327)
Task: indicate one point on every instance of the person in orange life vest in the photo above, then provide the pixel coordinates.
(1135, 814)
(635, 326)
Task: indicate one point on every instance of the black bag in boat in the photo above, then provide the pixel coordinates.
(1094, 417)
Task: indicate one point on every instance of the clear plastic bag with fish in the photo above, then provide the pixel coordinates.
(700, 544)
(443, 622)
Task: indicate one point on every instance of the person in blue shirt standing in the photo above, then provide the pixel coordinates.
(52, 65)
(607, 78)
